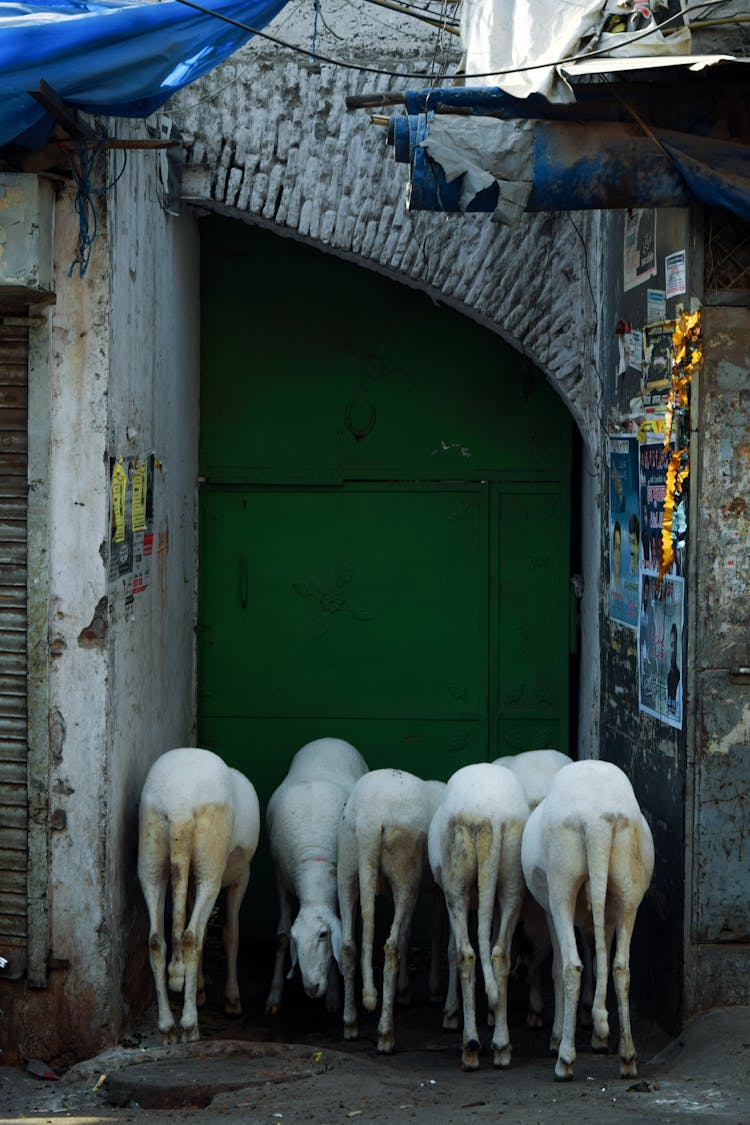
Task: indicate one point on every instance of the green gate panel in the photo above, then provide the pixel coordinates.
(326, 604)
(316, 371)
(384, 525)
(531, 613)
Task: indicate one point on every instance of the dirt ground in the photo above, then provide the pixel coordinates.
(297, 1068)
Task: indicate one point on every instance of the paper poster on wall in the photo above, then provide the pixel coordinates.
(675, 266)
(640, 247)
(660, 630)
(624, 530)
(660, 677)
(132, 524)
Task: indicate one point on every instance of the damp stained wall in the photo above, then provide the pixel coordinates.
(121, 378)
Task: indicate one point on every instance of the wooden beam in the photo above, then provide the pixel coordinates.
(63, 114)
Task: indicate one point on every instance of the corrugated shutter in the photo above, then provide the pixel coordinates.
(14, 353)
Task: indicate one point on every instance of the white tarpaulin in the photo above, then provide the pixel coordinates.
(510, 35)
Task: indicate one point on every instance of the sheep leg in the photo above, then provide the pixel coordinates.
(450, 1008)
(466, 962)
(404, 900)
(587, 983)
(211, 838)
(621, 973)
(403, 989)
(510, 911)
(556, 1035)
(152, 872)
(368, 872)
(235, 895)
(348, 891)
(273, 1000)
(570, 968)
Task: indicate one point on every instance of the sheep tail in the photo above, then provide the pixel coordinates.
(488, 843)
(598, 844)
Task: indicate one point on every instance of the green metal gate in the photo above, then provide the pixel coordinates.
(385, 521)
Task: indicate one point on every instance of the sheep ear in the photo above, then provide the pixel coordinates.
(293, 955)
(337, 940)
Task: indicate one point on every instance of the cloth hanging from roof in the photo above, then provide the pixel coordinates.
(505, 36)
(118, 58)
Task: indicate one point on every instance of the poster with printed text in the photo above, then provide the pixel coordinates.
(660, 672)
(624, 530)
(640, 247)
(660, 628)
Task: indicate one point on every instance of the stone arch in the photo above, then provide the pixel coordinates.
(276, 145)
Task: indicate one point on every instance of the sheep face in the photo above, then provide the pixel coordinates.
(315, 941)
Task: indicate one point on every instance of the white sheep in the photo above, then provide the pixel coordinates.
(475, 853)
(536, 769)
(588, 858)
(197, 816)
(382, 838)
(302, 819)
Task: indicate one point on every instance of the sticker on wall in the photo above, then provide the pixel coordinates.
(635, 358)
(675, 268)
(639, 262)
(656, 305)
(624, 530)
(119, 490)
(132, 546)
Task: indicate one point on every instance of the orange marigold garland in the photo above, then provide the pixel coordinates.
(687, 356)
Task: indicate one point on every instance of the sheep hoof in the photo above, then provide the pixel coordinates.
(232, 1007)
(450, 1022)
(563, 1070)
(190, 1034)
(273, 1007)
(629, 1068)
(600, 1044)
(168, 1035)
(534, 1019)
(369, 999)
(386, 1044)
(501, 1059)
(470, 1056)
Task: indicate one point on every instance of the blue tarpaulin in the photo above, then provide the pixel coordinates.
(481, 149)
(118, 58)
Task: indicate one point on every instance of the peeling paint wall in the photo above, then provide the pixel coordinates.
(123, 375)
(720, 881)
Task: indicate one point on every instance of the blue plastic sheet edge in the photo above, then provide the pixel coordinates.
(122, 58)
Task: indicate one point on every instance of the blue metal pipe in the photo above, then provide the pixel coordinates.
(575, 167)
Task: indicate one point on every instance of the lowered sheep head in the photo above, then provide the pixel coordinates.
(315, 940)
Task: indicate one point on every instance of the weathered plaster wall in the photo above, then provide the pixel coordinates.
(122, 379)
(153, 407)
(719, 876)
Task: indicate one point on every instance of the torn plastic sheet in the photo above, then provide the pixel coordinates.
(485, 152)
(503, 37)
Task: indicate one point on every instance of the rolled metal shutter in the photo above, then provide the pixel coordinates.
(14, 847)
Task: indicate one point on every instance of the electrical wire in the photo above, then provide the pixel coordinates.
(584, 55)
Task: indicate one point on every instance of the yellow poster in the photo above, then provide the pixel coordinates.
(119, 490)
(138, 500)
